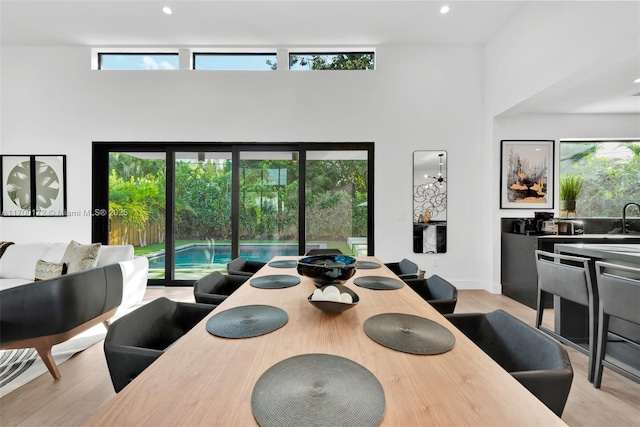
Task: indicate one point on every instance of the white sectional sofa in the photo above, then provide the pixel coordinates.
(18, 267)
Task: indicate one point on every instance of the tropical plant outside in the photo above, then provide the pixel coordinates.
(611, 173)
(337, 61)
(269, 212)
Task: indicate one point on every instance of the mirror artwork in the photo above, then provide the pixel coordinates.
(429, 202)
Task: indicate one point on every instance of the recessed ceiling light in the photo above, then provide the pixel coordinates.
(167, 10)
(444, 9)
(637, 80)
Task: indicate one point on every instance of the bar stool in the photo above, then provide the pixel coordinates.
(568, 277)
(618, 296)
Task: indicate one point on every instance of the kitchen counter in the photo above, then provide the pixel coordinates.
(518, 270)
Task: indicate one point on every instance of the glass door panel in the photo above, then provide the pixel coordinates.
(336, 201)
(202, 217)
(137, 205)
(268, 204)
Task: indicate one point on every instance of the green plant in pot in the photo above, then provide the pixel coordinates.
(570, 188)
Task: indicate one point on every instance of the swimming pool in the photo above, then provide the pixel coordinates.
(205, 255)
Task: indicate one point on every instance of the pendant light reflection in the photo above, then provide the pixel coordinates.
(439, 179)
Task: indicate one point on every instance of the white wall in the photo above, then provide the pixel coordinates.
(550, 42)
(419, 98)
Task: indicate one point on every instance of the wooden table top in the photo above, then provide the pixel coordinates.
(207, 380)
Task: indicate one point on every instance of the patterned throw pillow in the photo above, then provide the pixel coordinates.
(79, 257)
(49, 270)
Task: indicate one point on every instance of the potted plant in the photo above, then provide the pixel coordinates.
(570, 188)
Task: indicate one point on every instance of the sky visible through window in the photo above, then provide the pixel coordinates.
(141, 61)
(150, 61)
(230, 61)
(219, 61)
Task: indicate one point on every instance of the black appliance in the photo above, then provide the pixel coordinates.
(524, 226)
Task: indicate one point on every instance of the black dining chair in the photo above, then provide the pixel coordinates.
(405, 269)
(137, 339)
(215, 287)
(312, 252)
(243, 267)
(568, 277)
(540, 363)
(618, 296)
(438, 292)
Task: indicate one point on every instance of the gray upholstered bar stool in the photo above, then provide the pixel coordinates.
(568, 277)
(618, 296)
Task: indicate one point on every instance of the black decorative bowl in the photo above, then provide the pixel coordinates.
(335, 307)
(327, 269)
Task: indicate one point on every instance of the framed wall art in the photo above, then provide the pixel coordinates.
(33, 185)
(526, 174)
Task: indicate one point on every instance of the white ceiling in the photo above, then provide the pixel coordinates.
(118, 23)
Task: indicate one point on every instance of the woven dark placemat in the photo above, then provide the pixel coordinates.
(284, 263)
(275, 281)
(409, 333)
(368, 265)
(247, 321)
(378, 283)
(318, 390)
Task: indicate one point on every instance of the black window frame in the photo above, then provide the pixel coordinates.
(100, 187)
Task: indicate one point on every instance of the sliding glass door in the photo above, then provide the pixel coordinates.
(201, 213)
(337, 190)
(137, 205)
(269, 204)
(192, 207)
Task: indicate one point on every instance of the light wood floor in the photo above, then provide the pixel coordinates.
(85, 385)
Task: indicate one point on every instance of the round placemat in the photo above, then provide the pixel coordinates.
(318, 390)
(409, 333)
(378, 282)
(285, 263)
(368, 265)
(247, 321)
(275, 281)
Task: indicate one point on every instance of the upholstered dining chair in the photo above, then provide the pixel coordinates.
(540, 363)
(137, 339)
(405, 269)
(568, 277)
(438, 292)
(311, 252)
(618, 296)
(215, 287)
(243, 267)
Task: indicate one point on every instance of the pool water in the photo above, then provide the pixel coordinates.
(204, 256)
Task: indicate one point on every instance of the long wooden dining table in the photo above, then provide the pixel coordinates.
(206, 380)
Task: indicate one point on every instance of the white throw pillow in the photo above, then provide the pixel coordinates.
(113, 254)
(79, 257)
(19, 260)
(55, 253)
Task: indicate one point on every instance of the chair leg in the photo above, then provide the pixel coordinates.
(47, 358)
(540, 308)
(593, 339)
(603, 331)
